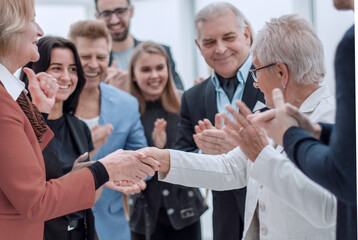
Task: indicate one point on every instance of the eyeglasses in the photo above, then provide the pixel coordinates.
(119, 12)
(253, 71)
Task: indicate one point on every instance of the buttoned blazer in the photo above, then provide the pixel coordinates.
(26, 198)
(291, 206)
(120, 109)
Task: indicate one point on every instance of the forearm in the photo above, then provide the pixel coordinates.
(217, 172)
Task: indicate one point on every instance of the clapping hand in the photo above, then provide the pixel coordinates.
(99, 136)
(117, 78)
(276, 121)
(212, 140)
(250, 138)
(159, 133)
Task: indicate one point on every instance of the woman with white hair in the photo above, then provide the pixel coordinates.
(281, 202)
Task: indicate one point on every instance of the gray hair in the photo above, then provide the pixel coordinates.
(214, 10)
(291, 40)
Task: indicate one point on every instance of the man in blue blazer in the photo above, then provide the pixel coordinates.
(117, 15)
(326, 152)
(223, 37)
(112, 114)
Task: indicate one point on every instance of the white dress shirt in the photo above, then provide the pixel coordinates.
(12, 84)
(281, 202)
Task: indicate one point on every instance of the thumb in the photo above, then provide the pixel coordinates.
(31, 76)
(81, 158)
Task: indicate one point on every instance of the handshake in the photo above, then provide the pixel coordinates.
(132, 167)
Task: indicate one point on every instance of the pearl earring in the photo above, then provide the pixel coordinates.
(283, 85)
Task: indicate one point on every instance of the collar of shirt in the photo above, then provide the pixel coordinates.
(221, 99)
(314, 99)
(12, 84)
(241, 74)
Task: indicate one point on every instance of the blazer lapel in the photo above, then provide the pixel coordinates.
(210, 101)
(250, 93)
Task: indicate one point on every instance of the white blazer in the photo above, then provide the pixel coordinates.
(281, 202)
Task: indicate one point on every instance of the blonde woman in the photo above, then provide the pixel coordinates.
(162, 210)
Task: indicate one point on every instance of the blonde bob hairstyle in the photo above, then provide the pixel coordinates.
(14, 16)
(291, 40)
(169, 98)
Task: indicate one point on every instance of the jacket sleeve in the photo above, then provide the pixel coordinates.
(24, 191)
(281, 176)
(216, 172)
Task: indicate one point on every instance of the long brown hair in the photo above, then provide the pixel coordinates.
(169, 98)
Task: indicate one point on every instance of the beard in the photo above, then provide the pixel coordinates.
(119, 37)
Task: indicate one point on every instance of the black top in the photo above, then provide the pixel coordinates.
(64, 144)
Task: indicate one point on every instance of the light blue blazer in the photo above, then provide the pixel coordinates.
(122, 111)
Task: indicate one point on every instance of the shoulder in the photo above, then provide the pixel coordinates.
(198, 89)
(325, 109)
(346, 45)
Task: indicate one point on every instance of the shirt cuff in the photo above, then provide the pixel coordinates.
(100, 174)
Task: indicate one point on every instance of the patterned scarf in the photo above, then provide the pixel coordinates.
(34, 116)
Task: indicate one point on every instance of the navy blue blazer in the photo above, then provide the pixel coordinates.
(331, 162)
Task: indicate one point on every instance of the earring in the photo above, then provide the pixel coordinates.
(283, 85)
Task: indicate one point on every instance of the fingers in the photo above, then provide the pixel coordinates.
(261, 118)
(142, 185)
(277, 98)
(218, 121)
(30, 75)
(230, 124)
(238, 116)
(293, 111)
(160, 124)
(81, 158)
(150, 163)
(204, 124)
(244, 110)
(48, 84)
(101, 132)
